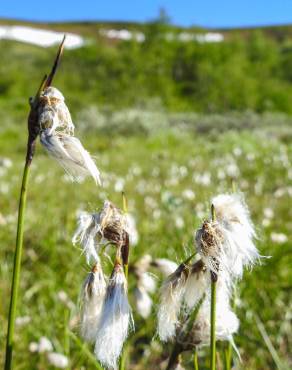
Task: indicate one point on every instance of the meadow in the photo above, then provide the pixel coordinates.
(169, 174)
(167, 127)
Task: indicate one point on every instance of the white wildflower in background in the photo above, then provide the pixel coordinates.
(91, 299)
(96, 229)
(131, 229)
(165, 266)
(58, 360)
(116, 320)
(22, 320)
(171, 295)
(57, 136)
(45, 345)
(145, 284)
(279, 238)
(143, 302)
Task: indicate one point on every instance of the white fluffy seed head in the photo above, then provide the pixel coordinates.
(52, 92)
(171, 296)
(143, 302)
(228, 242)
(227, 324)
(116, 320)
(57, 130)
(92, 297)
(226, 321)
(53, 113)
(234, 218)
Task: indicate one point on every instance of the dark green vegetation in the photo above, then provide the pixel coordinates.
(147, 142)
(250, 69)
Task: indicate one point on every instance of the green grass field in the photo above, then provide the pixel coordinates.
(158, 170)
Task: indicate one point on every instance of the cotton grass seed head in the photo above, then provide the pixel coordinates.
(116, 320)
(239, 234)
(53, 112)
(171, 296)
(56, 135)
(91, 299)
(97, 229)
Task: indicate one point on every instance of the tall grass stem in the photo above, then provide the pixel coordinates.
(16, 269)
(213, 310)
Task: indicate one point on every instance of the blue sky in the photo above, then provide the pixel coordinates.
(211, 13)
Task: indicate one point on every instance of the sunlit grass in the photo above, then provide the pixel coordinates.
(157, 173)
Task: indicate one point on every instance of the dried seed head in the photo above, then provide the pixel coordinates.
(113, 223)
(94, 230)
(209, 240)
(54, 113)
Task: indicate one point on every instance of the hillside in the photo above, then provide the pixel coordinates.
(180, 69)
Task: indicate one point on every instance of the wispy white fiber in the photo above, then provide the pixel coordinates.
(71, 155)
(115, 322)
(171, 295)
(91, 299)
(239, 233)
(88, 226)
(196, 285)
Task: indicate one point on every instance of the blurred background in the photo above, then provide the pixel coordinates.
(176, 100)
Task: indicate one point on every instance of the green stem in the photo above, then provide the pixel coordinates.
(16, 269)
(196, 364)
(228, 357)
(213, 324)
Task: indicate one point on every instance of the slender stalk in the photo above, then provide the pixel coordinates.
(16, 269)
(196, 364)
(213, 324)
(213, 310)
(33, 131)
(228, 357)
(174, 357)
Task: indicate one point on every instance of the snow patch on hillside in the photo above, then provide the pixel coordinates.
(40, 37)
